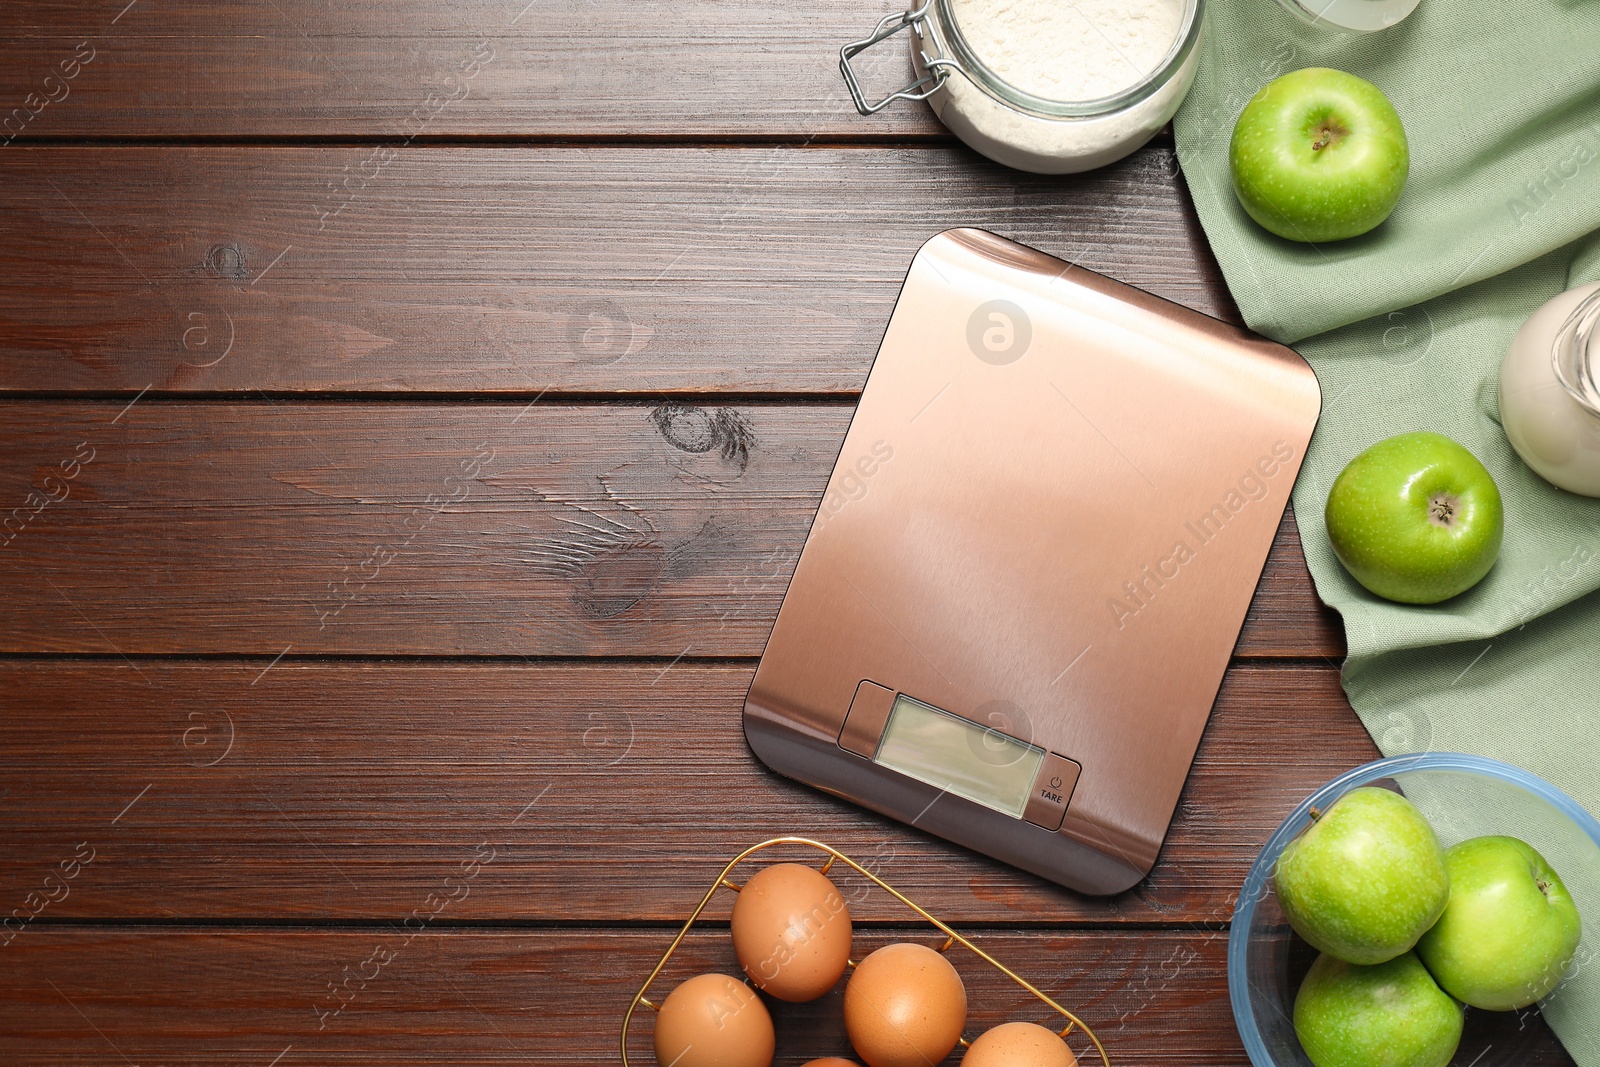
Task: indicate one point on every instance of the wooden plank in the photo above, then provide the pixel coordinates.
(518, 270)
(480, 67)
(1286, 617)
(458, 996)
(346, 791)
(452, 996)
(552, 530)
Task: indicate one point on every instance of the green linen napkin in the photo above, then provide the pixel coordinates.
(1501, 103)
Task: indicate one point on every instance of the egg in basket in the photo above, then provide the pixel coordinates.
(904, 1005)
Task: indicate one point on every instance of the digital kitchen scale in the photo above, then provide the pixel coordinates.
(1037, 547)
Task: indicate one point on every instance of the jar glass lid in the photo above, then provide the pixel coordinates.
(1071, 57)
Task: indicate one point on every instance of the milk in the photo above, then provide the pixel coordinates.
(1547, 424)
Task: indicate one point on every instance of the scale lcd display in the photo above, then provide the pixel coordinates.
(958, 755)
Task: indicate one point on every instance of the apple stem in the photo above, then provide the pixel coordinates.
(1329, 132)
(1315, 813)
(1442, 510)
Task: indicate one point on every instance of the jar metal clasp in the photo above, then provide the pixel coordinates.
(924, 87)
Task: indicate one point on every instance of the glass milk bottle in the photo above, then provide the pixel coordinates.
(1550, 391)
(1362, 16)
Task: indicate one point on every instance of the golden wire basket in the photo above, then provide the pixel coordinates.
(722, 881)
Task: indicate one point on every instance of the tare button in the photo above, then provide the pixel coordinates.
(1052, 790)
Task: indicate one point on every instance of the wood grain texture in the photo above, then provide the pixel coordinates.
(520, 339)
(350, 790)
(589, 269)
(456, 996)
(549, 997)
(696, 69)
(440, 529)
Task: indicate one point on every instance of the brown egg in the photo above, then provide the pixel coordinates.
(905, 1006)
(791, 929)
(1019, 1045)
(713, 1020)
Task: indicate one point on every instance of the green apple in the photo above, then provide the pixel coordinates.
(1386, 1015)
(1366, 879)
(1319, 155)
(1416, 518)
(1510, 930)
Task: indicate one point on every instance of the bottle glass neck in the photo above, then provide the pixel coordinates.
(1576, 351)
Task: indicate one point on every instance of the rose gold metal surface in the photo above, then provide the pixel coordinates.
(869, 713)
(1062, 513)
(1052, 791)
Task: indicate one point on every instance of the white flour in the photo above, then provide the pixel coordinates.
(1070, 49)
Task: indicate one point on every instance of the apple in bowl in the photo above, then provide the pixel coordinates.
(1510, 930)
(1366, 880)
(1390, 1014)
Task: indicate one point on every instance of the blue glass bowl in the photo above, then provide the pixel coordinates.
(1477, 796)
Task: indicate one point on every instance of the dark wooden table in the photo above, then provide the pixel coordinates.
(411, 420)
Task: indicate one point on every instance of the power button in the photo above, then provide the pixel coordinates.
(1052, 790)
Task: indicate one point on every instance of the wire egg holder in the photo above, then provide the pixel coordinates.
(1074, 1024)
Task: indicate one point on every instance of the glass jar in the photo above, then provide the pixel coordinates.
(1362, 16)
(1016, 125)
(1550, 391)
